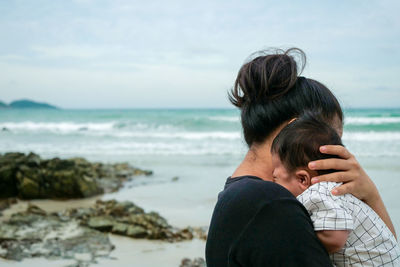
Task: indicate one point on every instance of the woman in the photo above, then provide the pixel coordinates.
(259, 223)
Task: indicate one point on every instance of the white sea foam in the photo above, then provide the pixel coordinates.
(60, 127)
(86, 128)
(210, 143)
(112, 129)
(160, 138)
(127, 148)
(348, 120)
(170, 135)
(371, 136)
(225, 118)
(371, 120)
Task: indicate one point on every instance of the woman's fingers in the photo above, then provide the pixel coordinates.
(328, 164)
(346, 161)
(343, 189)
(337, 150)
(337, 177)
(355, 180)
(347, 171)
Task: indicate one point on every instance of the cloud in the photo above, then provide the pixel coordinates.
(69, 51)
(92, 46)
(155, 86)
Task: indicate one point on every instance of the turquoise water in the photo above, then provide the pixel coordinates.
(120, 132)
(201, 147)
(168, 132)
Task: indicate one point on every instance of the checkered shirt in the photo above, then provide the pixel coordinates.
(370, 242)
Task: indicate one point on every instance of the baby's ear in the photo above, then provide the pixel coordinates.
(304, 178)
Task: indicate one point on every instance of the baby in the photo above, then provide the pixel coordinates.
(352, 233)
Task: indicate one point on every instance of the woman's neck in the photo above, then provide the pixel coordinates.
(257, 162)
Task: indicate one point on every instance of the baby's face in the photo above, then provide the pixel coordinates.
(284, 178)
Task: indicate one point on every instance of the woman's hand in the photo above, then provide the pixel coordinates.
(355, 180)
(349, 172)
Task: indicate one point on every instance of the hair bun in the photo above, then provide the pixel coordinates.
(267, 75)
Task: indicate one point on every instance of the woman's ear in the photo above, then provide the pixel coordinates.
(304, 178)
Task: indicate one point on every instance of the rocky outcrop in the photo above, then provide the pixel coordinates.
(80, 233)
(30, 177)
(197, 262)
(125, 218)
(34, 233)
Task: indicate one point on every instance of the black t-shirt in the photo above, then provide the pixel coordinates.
(260, 223)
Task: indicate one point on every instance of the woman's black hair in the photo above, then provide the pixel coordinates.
(269, 92)
(298, 143)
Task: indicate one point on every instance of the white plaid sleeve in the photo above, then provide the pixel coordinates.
(327, 212)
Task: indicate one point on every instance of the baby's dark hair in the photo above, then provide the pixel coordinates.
(298, 143)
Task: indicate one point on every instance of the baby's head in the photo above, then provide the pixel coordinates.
(295, 146)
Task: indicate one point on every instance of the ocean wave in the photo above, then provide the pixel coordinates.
(359, 143)
(348, 120)
(61, 127)
(225, 118)
(156, 132)
(116, 130)
(127, 148)
(67, 127)
(371, 120)
(172, 148)
(171, 135)
(371, 136)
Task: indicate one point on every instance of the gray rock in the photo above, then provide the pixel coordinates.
(100, 223)
(81, 233)
(136, 231)
(34, 233)
(30, 177)
(125, 218)
(120, 228)
(197, 262)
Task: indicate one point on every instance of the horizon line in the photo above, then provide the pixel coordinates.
(176, 108)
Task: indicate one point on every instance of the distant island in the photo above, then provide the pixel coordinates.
(24, 103)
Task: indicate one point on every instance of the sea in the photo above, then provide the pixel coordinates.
(190, 151)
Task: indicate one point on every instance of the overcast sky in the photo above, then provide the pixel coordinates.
(133, 54)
